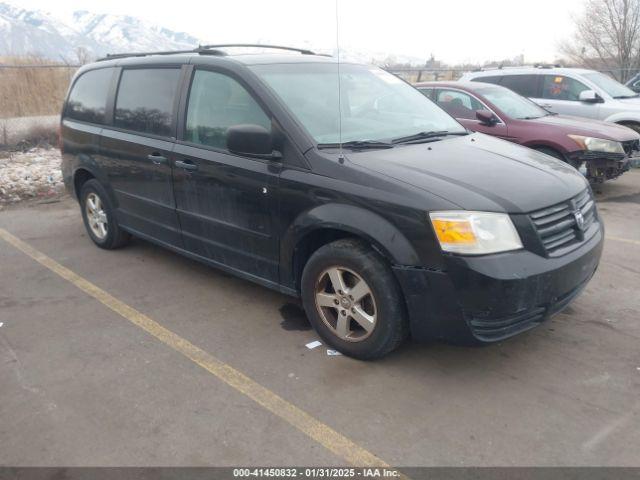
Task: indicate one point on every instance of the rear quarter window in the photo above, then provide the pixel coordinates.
(145, 100)
(88, 97)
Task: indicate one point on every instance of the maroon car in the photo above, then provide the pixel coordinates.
(603, 148)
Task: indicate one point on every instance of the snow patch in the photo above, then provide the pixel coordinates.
(33, 174)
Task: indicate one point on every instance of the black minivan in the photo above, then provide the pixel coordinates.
(335, 182)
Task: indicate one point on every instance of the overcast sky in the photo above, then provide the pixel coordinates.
(454, 31)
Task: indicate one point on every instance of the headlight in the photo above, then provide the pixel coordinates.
(597, 144)
(475, 233)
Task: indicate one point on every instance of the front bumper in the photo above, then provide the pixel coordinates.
(489, 298)
(603, 166)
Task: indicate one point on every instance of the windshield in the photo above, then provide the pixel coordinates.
(375, 104)
(610, 86)
(512, 104)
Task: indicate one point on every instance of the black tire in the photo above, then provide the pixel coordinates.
(115, 237)
(391, 325)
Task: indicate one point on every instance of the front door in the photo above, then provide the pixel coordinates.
(561, 94)
(224, 201)
(137, 150)
(463, 107)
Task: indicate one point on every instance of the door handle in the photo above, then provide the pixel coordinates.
(156, 158)
(547, 106)
(186, 164)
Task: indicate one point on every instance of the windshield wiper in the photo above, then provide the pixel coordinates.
(357, 144)
(426, 136)
(626, 96)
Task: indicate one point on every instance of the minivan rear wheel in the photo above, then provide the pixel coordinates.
(99, 218)
(353, 300)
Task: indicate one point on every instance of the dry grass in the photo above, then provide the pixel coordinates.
(30, 88)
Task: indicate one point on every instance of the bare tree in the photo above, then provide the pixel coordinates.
(607, 37)
(83, 56)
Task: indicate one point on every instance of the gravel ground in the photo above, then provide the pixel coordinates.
(32, 174)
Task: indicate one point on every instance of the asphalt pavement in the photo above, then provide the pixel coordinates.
(142, 357)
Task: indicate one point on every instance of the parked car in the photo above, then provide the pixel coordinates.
(569, 91)
(604, 148)
(634, 83)
(386, 216)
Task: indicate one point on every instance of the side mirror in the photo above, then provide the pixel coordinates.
(251, 141)
(486, 117)
(589, 96)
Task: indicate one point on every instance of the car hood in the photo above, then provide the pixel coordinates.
(478, 172)
(591, 128)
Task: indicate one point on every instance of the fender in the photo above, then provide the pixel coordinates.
(86, 161)
(626, 116)
(370, 226)
(81, 155)
(546, 143)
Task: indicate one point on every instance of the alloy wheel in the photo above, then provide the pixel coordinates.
(96, 216)
(346, 304)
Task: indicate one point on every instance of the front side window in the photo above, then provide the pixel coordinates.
(427, 92)
(370, 104)
(88, 98)
(512, 104)
(145, 100)
(525, 85)
(217, 102)
(458, 104)
(559, 87)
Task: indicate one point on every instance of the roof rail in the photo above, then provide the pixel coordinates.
(516, 67)
(547, 65)
(206, 50)
(200, 50)
(303, 51)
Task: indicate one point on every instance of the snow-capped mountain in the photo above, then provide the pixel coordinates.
(84, 34)
(125, 34)
(30, 32)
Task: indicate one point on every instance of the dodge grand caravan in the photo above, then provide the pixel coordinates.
(384, 214)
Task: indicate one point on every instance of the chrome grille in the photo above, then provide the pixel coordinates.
(558, 225)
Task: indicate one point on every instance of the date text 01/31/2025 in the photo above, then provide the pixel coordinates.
(316, 472)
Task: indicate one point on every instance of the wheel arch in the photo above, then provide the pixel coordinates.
(80, 177)
(327, 223)
(632, 124)
(542, 144)
(623, 117)
(86, 170)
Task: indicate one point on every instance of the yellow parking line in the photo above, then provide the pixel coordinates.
(318, 431)
(625, 240)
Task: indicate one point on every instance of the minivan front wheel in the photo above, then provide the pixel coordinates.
(346, 304)
(353, 300)
(98, 216)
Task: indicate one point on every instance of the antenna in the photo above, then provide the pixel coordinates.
(341, 155)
